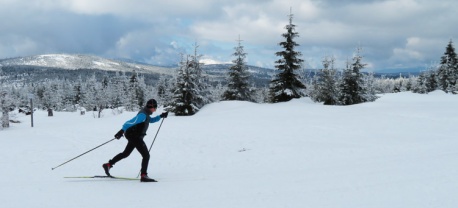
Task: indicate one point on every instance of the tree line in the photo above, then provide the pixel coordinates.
(190, 88)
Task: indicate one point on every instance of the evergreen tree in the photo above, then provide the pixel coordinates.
(353, 89)
(421, 84)
(119, 90)
(238, 86)
(431, 81)
(191, 90)
(427, 82)
(217, 91)
(5, 105)
(165, 89)
(133, 93)
(185, 90)
(141, 92)
(97, 95)
(200, 79)
(52, 95)
(286, 84)
(78, 92)
(447, 74)
(369, 87)
(67, 95)
(325, 84)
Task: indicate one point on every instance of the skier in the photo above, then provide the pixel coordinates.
(134, 130)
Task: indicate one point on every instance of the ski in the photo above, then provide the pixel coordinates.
(103, 176)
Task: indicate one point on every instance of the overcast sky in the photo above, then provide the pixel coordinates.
(392, 34)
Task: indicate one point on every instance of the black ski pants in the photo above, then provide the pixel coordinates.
(134, 143)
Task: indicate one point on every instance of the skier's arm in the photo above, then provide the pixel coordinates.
(155, 119)
(136, 120)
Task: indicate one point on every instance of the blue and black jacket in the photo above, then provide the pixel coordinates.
(136, 127)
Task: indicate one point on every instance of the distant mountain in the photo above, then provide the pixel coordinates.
(69, 66)
(74, 62)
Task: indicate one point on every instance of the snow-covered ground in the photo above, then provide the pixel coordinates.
(399, 151)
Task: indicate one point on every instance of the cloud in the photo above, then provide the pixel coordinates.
(391, 33)
(12, 45)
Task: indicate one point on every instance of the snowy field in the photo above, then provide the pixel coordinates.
(399, 151)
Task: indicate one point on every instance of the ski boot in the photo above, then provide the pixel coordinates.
(107, 167)
(145, 178)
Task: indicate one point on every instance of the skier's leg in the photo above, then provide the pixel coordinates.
(143, 150)
(129, 148)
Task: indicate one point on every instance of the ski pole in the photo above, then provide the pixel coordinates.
(156, 135)
(153, 141)
(83, 154)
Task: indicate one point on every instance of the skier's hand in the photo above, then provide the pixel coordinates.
(164, 115)
(119, 134)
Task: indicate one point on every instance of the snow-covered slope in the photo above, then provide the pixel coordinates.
(399, 151)
(71, 62)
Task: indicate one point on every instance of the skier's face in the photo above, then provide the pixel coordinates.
(153, 109)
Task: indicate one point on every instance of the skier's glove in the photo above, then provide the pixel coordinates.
(119, 134)
(164, 115)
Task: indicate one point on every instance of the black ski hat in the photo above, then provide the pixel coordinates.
(151, 103)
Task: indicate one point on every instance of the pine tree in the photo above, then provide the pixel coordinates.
(325, 84)
(133, 96)
(353, 89)
(447, 74)
(286, 84)
(369, 87)
(426, 82)
(185, 90)
(238, 86)
(5, 104)
(119, 89)
(51, 95)
(78, 93)
(202, 95)
(191, 91)
(97, 95)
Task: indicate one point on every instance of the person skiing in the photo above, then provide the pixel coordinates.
(134, 130)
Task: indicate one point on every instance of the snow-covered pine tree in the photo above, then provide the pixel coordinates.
(52, 95)
(97, 96)
(5, 104)
(164, 88)
(325, 83)
(286, 85)
(369, 87)
(216, 91)
(119, 90)
(426, 82)
(238, 77)
(133, 93)
(447, 73)
(421, 84)
(352, 86)
(141, 91)
(431, 82)
(79, 94)
(191, 91)
(67, 95)
(200, 79)
(185, 90)
(4, 119)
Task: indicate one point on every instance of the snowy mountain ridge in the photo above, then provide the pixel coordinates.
(64, 64)
(80, 61)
